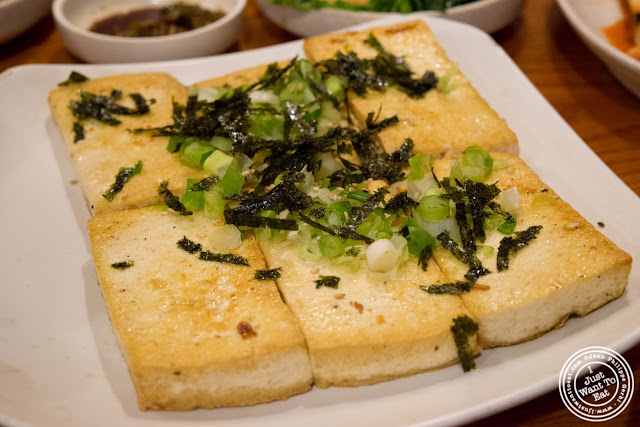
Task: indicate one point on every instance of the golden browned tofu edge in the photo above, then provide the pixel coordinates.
(570, 268)
(177, 318)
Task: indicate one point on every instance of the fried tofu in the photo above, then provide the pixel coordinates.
(238, 78)
(570, 268)
(194, 333)
(371, 328)
(105, 149)
(439, 123)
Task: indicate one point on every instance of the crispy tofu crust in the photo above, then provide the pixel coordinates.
(106, 149)
(438, 123)
(240, 77)
(570, 268)
(177, 317)
(372, 328)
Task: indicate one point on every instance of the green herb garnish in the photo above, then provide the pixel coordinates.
(172, 202)
(448, 288)
(464, 327)
(268, 274)
(74, 77)
(328, 281)
(123, 264)
(224, 258)
(123, 175)
(509, 245)
(189, 245)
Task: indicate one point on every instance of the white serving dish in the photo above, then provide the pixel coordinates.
(488, 15)
(74, 17)
(588, 18)
(59, 362)
(17, 16)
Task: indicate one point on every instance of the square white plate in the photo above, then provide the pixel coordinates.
(59, 364)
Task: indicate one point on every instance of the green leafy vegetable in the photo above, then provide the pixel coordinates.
(123, 175)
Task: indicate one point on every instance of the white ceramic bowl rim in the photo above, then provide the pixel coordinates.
(60, 17)
(568, 9)
(455, 9)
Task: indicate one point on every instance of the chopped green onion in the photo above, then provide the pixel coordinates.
(445, 85)
(265, 124)
(485, 250)
(433, 208)
(331, 246)
(335, 86)
(335, 213)
(476, 163)
(221, 143)
(195, 154)
(306, 69)
(357, 195)
(233, 180)
(298, 92)
(192, 200)
(542, 200)
(217, 163)
(416, 167)
(508, 226)
(418, 239)
(214, 203)
(500, 164)
(491, 222)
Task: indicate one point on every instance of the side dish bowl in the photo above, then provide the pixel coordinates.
(17, 16)
(588, 18)
(488, 15)
(74, 17)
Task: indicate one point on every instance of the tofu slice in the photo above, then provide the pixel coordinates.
(240, 77)
(439, 123)
(179, 319)
(570, 268)
(371, 328)
(106, 149)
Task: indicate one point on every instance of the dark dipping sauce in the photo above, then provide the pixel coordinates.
(156, 21)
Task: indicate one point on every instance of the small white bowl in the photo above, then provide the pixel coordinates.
(17, 16)
(74, 17)
(588, 18)
(488, 15)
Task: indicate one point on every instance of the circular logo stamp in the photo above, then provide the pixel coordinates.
(596, 384)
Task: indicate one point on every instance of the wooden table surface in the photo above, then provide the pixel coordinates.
(542, 43)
